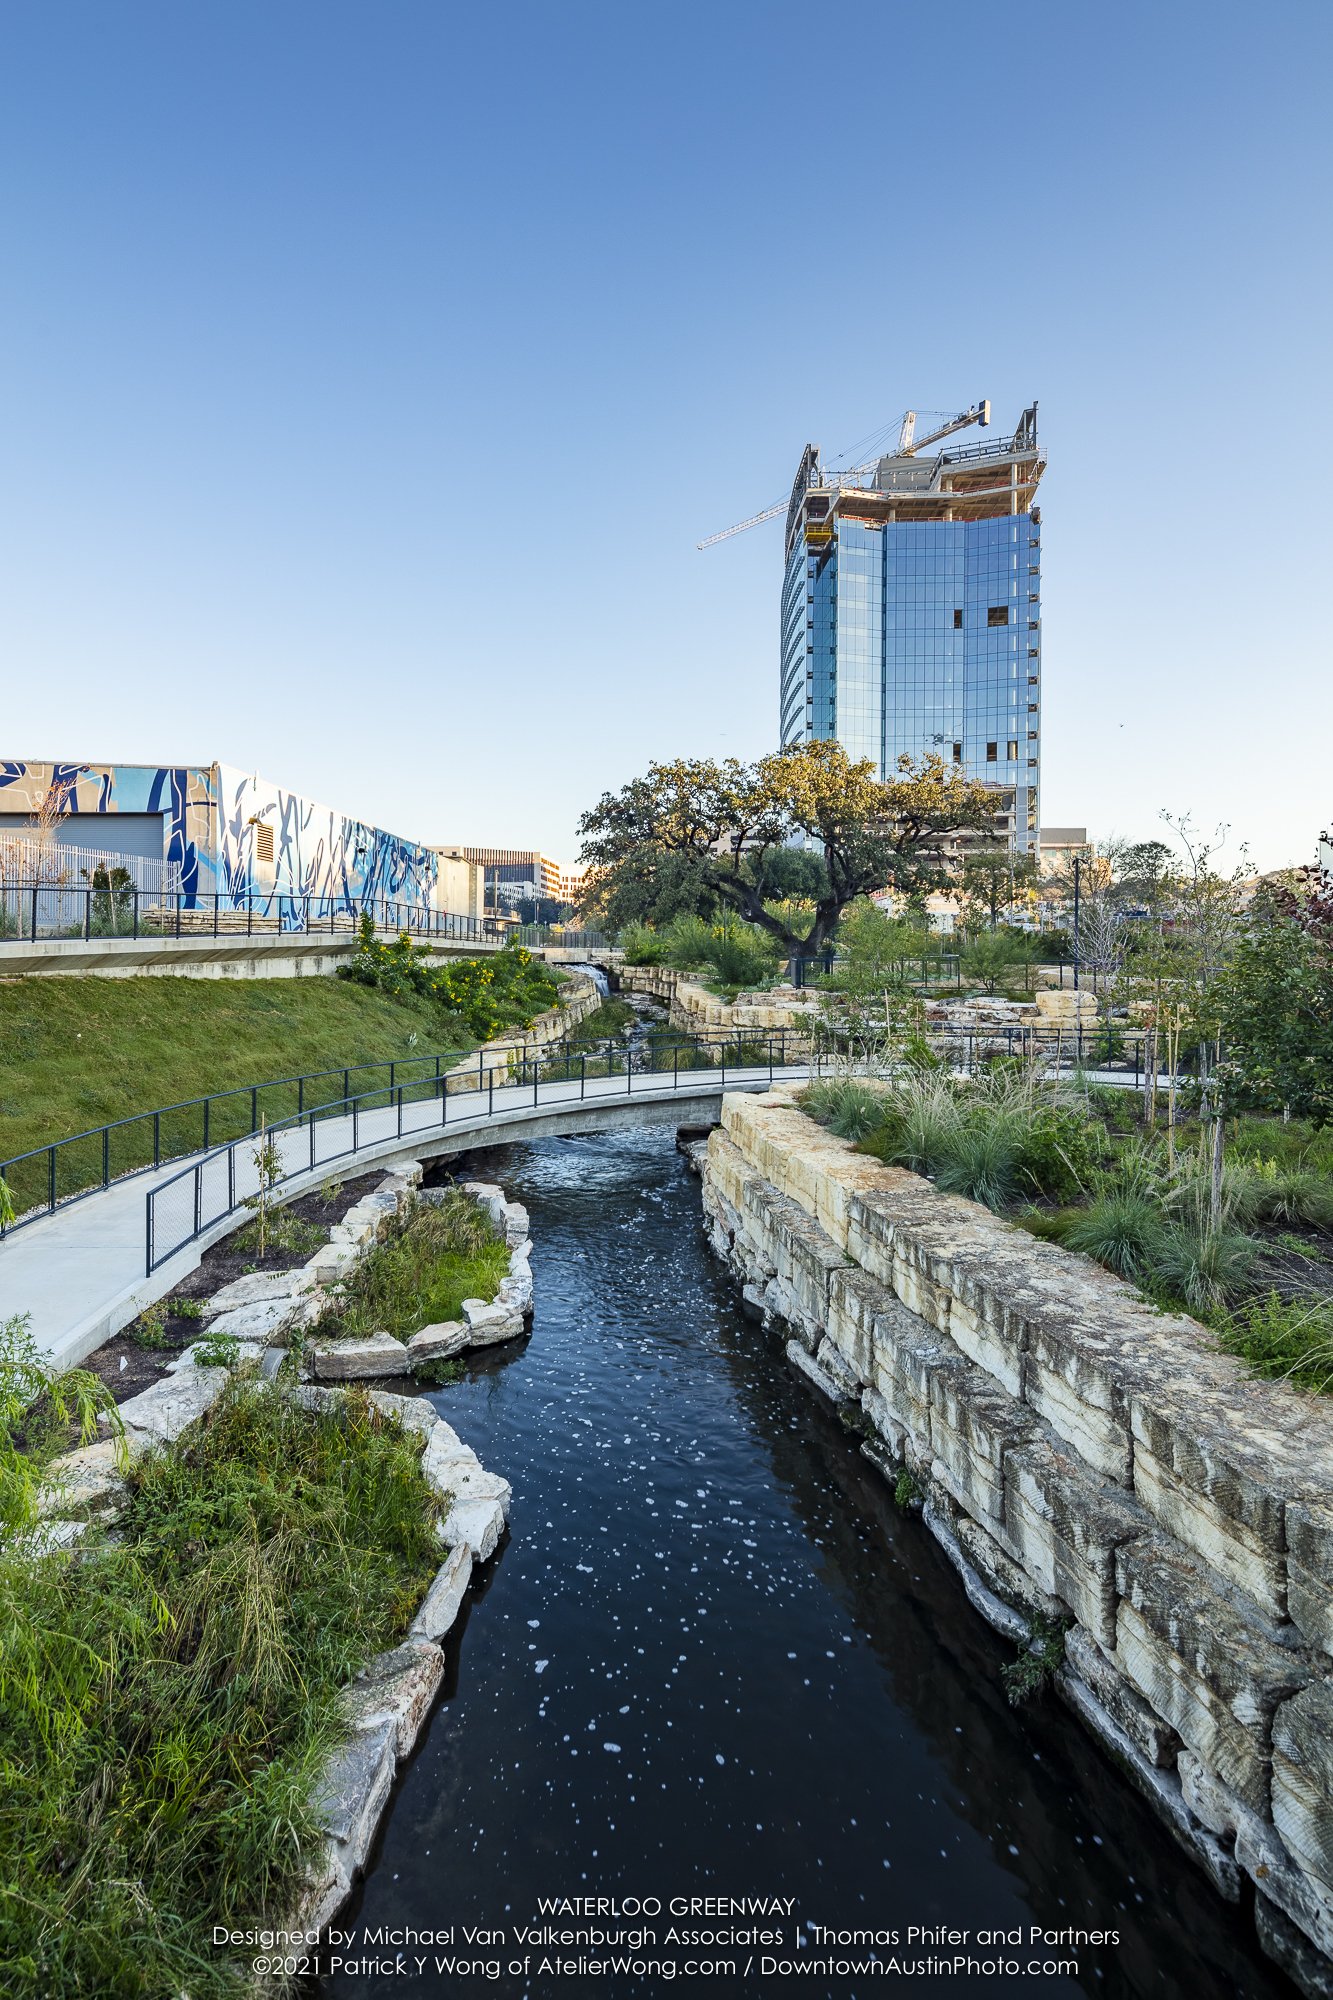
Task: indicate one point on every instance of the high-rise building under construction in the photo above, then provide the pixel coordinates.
(911, 609)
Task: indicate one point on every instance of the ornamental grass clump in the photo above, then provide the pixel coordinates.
(168, 1699)
(847, 1106)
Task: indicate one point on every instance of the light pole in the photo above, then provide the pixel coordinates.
(1078, 871)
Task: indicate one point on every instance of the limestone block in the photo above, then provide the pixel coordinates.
(359, 1359)
(830, 1360)
(246, 1350)
(516, 1227)
(353, 1793)
(1310, 1570)
(455, 1471)
(443, 1601)
(515, 1291)
(490, 1323)
(257, 1322)
(356, 1232)
(1002, 1575)
(997, 1614)
(1155, 1739)
(438, 1343)
(806, 1365)
(324, 1887)
(1161, 1788)
(82, 1483)
(974, 1426)
(801, 1254)
(1213, 1463)
(1201, 1664)
(907, 1362)
(476, 1525)
(399, 1688)
(864, 1314)
(257, 1286)
(414, 1413)
(886, 1424)
(1065, 1526)
(332, 1263)
(1303, 1779)
(159, 1414)
(1309, 1969)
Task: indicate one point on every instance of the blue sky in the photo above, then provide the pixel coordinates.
(372, 371)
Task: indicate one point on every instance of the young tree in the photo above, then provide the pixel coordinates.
(726, 819)
(1275, 1007)
(994, 878)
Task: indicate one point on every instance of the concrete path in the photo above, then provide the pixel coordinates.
(82, 1272)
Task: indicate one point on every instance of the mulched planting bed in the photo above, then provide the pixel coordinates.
(138, 1357)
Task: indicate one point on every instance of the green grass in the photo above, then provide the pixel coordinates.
(76, 1053)
(447, 1253)
(611, 1018)
(1283, 1339)
(167, 1701)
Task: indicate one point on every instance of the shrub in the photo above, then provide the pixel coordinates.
(642, 945)
(1290, 1195)
(689, 942)
(507, 990)
(1284, 1339)
(38, 1407)
(1123, 1231)
(1204, 1268)
(448, 1252)
(846, 1105)
(167, 1700)
(983, 1162)
(739, 954)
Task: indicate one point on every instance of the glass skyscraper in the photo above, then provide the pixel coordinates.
(911, 613)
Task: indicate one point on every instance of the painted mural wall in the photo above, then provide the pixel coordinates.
(182, 793)
(336, 861)
(212, 820)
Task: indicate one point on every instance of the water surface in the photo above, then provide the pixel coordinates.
(714, 1659)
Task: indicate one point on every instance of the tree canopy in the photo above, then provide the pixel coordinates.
(705, 829)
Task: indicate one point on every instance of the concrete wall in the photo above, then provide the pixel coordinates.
(1086, 1461)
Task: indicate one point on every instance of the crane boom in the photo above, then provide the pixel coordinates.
(778, 507)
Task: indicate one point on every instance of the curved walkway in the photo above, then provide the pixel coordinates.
(83, 1272)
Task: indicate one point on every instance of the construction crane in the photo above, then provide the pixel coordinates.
(908, 445)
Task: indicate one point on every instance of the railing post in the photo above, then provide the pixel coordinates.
(311, 1130)
(490, 1093)
(254, 1108)
(356, 1127)
(231, 1173)
(88, 912)
(215, 913)
(34, 915)
(106, 1156)
(207, 1102)
(400, 1111)
(198, 1199)
(148, 1235)
(51, 1176)
(157, 1138)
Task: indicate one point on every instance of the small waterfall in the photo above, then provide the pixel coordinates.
(597, 976)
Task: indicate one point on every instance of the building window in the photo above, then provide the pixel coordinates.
(957, 621)
(992, 753)
(1011, 748)
(957, 753)
(998, 614)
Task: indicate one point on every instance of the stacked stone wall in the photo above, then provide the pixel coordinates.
(1084, 1460)
(694, 1009)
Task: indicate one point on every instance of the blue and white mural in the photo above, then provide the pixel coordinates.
(215, 820)
(183, 794)
(315, 852)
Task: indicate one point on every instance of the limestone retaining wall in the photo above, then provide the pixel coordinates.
(1084, 1460)
(696, 1010)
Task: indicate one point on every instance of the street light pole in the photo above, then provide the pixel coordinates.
(1078, 871)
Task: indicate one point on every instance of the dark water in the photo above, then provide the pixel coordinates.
(714, 1659)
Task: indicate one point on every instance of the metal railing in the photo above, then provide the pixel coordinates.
(935, 970)
(241, 1173)
(535, 936)
(52, 911)
(26, 859)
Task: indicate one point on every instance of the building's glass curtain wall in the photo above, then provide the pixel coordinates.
(907, 637)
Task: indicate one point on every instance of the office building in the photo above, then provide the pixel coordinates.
(911, 610)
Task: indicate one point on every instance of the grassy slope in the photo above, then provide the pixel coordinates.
(75, 1053)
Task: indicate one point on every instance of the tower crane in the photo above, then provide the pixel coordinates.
(907, 446)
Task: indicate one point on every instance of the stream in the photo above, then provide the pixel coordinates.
(714, 1659)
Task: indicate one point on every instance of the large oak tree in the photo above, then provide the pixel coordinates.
(714, 826)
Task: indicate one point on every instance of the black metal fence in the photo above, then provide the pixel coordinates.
(28, 914)
(940, 969)
(249, 1169)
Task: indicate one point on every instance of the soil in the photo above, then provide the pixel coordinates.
(138, 1357)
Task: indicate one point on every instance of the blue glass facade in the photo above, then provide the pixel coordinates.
(907, 637)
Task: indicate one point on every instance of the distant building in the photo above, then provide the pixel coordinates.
(911, 611)
(1061, 843)
(519, 875)
(217, 830)
(1324, 862)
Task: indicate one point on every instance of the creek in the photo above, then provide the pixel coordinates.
(714, 1659)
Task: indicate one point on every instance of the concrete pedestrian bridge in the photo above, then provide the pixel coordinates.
(89, 1267)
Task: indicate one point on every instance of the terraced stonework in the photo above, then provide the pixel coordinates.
(1086, 1460)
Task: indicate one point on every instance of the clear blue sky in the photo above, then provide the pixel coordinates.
(372, 370)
